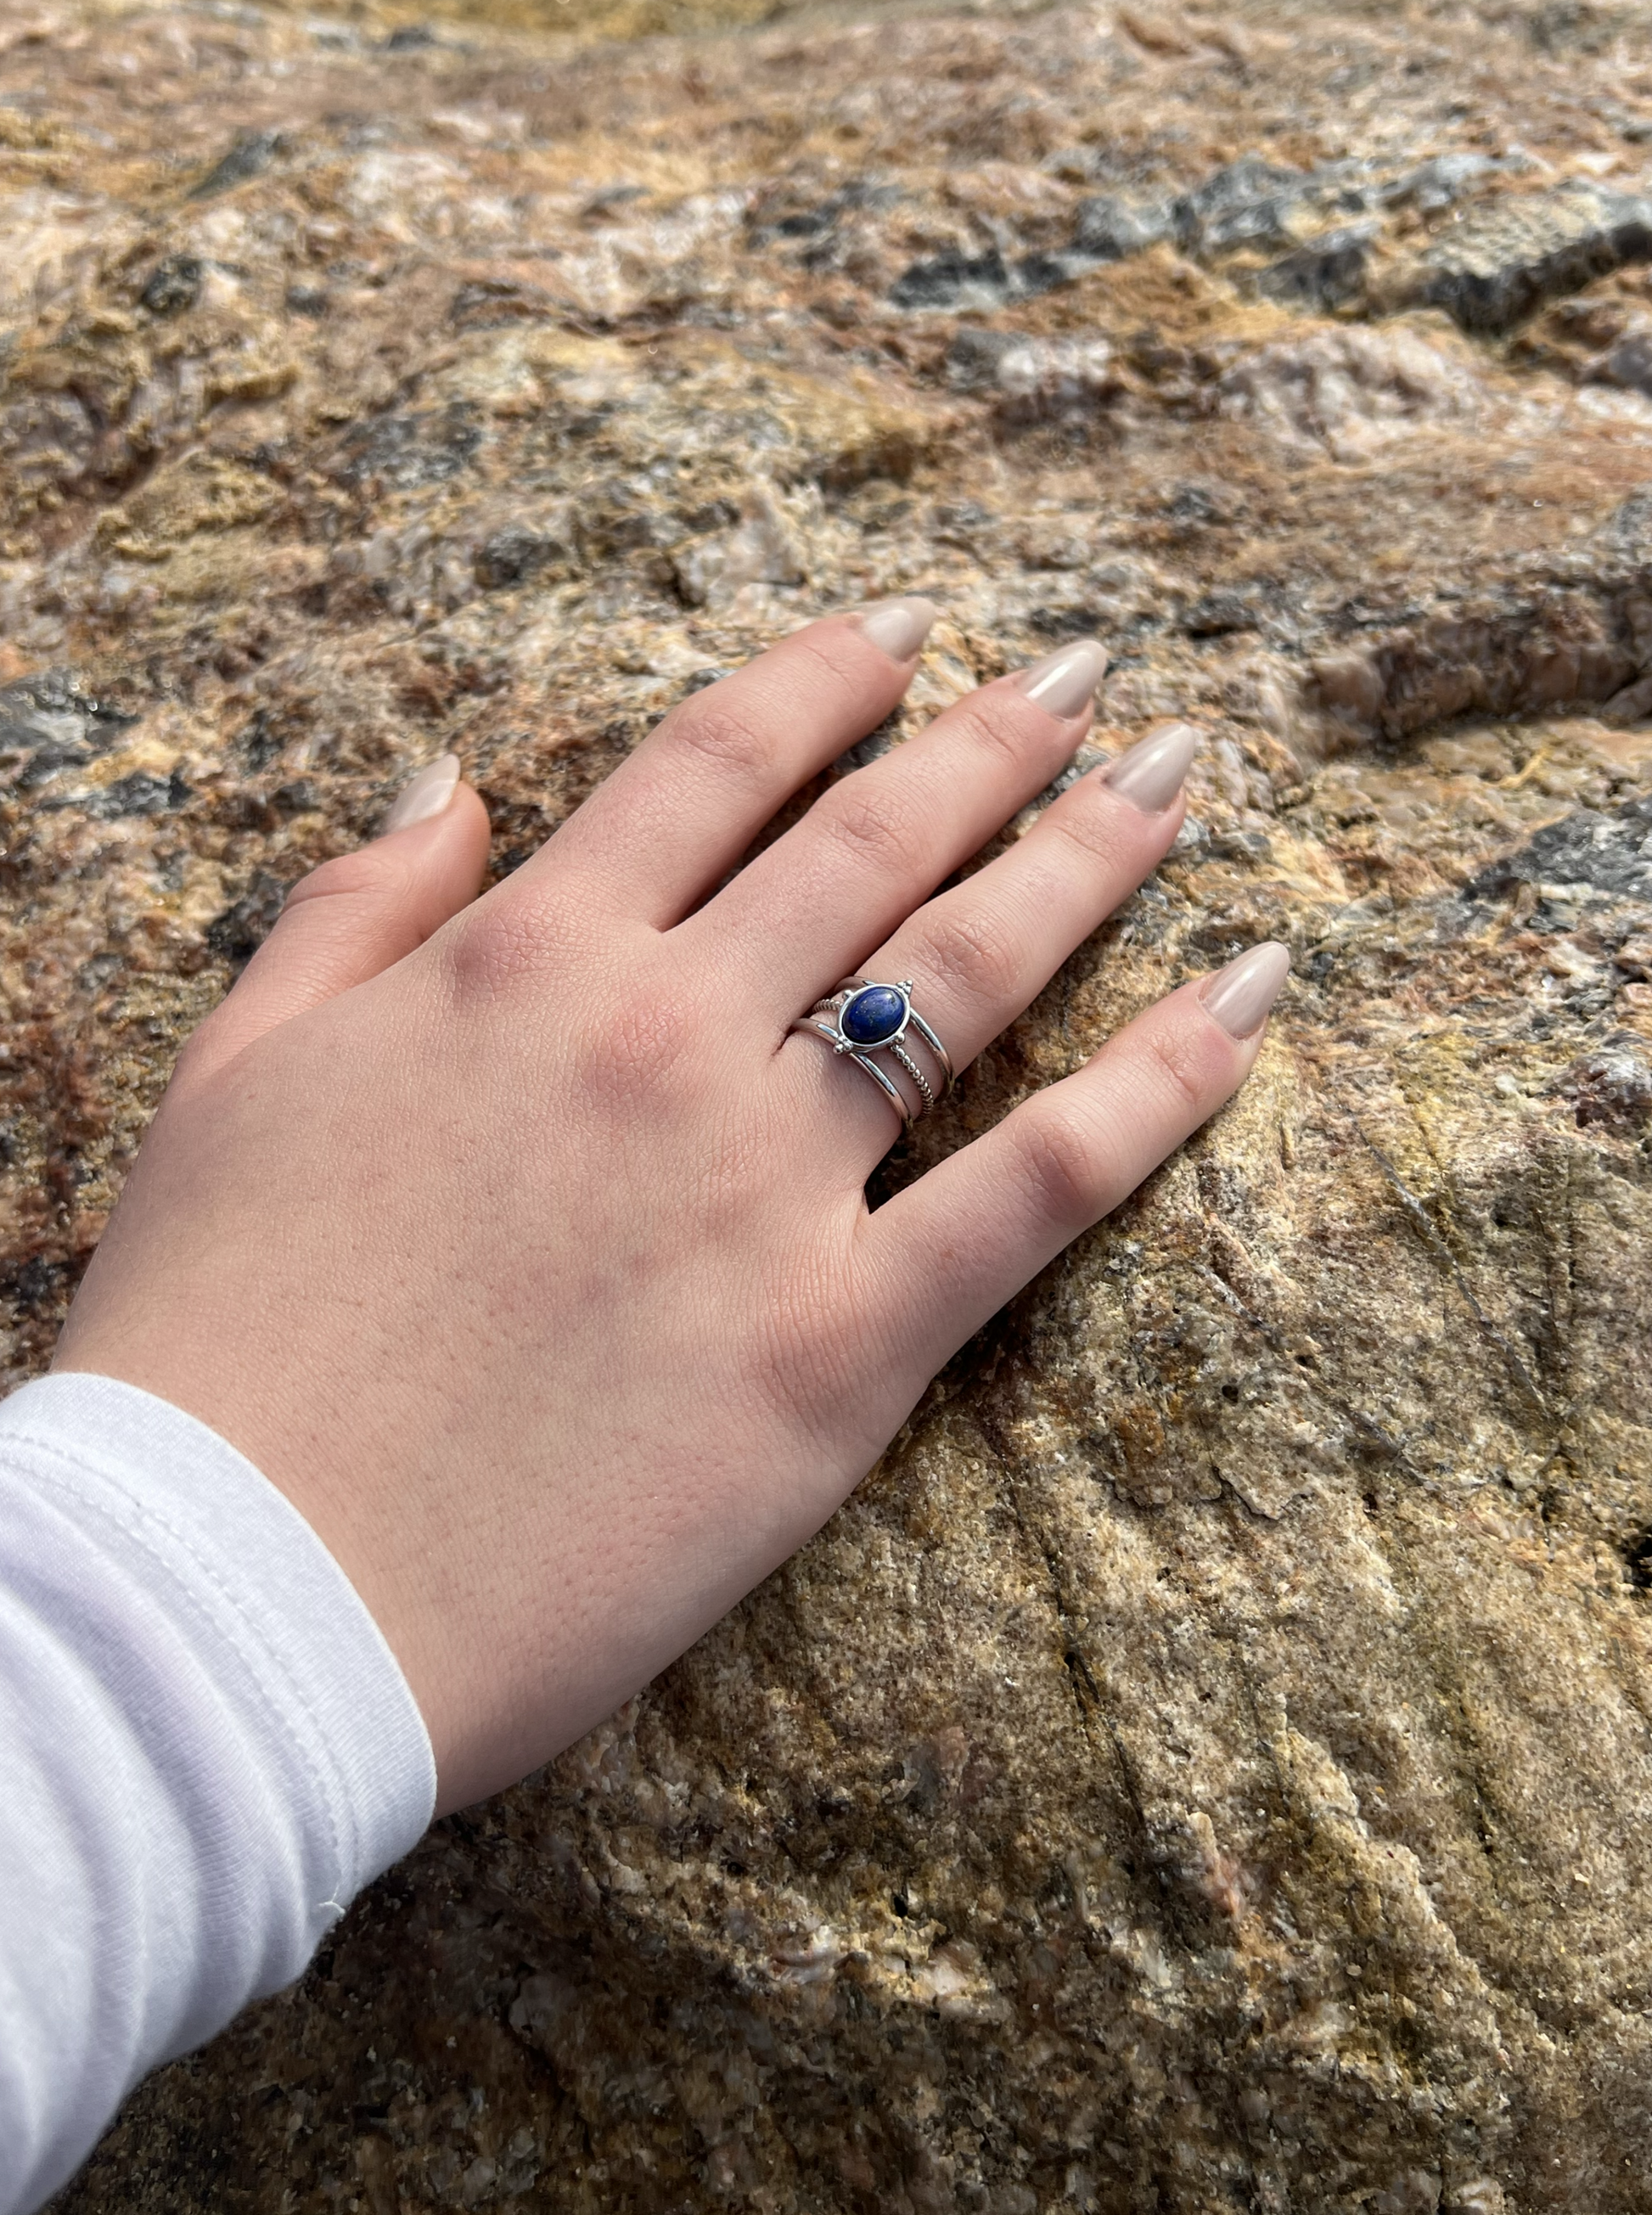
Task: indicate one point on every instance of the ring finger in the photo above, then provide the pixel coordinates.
(982, 953)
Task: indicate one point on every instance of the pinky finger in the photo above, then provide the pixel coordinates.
(949, 1250)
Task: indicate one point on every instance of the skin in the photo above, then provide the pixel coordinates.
(518, 1242)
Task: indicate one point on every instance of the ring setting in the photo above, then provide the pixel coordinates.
(873, 1017)
(863, 1018)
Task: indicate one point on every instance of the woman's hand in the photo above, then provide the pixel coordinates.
(522, 1246)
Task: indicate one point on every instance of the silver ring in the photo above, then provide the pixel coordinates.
(861, 1018)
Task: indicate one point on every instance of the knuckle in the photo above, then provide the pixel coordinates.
(824, 653)
(994, 726)
(1176, 1066)
(979, 962)
(718, 734)
(875, 826)
(1086, 820)
(508, 941)
(1056, 1159)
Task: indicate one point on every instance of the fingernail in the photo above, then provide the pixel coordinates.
(897, 628)
(422, 797)
(1064, 683)
(1150, 774)
(1240, 996)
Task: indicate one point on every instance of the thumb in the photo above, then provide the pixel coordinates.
(355, 915)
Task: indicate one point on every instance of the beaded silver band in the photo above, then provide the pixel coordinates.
(861, 1018)
(925, 1090)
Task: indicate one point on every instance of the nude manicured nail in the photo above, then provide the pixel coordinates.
(422, 797)
(1064, 683)
(897, 628)
(1150, 774)
(1240, 996)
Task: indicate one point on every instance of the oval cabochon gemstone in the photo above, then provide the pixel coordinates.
(873, 1015)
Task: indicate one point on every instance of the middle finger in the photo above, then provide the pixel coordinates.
(875, 845)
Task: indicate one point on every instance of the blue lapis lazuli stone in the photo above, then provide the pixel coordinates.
(873, 1015)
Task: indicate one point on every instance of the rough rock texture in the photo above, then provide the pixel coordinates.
(1208, 1766)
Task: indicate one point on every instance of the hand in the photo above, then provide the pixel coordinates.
(519, 1242)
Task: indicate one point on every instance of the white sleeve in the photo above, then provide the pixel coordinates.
(206, 1749)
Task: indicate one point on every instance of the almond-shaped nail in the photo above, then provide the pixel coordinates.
(1240, 996)
(897, 628)
(1064, 683)
(422, 797)
(1150, 774)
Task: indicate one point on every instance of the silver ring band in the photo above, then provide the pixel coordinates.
(862, 1019)
(886, 1085)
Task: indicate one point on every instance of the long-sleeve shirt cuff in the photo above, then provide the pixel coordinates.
(207, 1750)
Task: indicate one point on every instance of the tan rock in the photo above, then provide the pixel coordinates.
(1205, 1767)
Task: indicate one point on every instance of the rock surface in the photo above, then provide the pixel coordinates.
(1206, 1767)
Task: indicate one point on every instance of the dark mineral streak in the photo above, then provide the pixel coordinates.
(1206, 1769)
